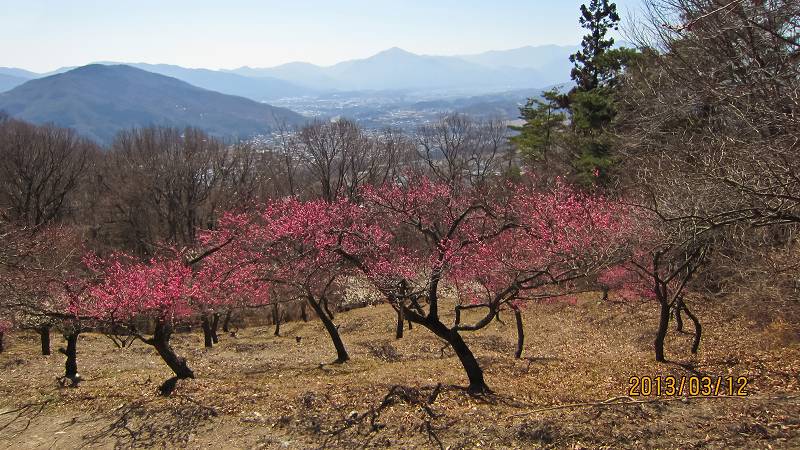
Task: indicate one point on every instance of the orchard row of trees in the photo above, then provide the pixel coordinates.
(415, 241)
(635, 183)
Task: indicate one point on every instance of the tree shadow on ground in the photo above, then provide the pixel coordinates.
(362, 429)
(154, 423)
(14, 422)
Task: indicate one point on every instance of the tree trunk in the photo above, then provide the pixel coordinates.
(2, 337)
(214, 328)
(661, 334)
(400, 324)
(409, 325)
(71, 365)
(520, 334)
(276, 319)
(458, 315)
(226, 324)
(304, 312)
(327, 308)
(341, 352)
(161, 342)
(44, 334)
(208, 340)
(477, 385)
(678, 319)
(698, 329)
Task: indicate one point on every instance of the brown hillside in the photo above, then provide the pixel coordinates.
(260, 391)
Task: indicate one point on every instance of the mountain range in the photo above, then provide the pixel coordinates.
(394, 88)
(100, 100)
(397, 69)
(392, 69)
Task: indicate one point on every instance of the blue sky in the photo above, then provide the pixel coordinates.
(42, 35)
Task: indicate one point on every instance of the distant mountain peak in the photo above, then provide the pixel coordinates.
(393, 52)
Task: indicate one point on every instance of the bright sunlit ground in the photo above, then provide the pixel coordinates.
(260, 391)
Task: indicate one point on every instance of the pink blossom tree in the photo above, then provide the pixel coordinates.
(169, 290)
(661, 263)
(33, 262)
(492, 247)
(224, 281)
(558, 238)
(159, 289)
(290, 247)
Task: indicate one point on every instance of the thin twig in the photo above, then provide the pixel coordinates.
(691, 23)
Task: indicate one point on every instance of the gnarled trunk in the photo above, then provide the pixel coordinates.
(178, 365)
(698, 329)
(208, 339)
(332, 330)
(678, 319)
(520, 334)
(2, 342)
(327, 308)
(44, 335)
(477, 385)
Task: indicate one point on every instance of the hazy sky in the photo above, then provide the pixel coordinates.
(42, 35)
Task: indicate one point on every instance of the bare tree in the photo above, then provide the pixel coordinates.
(340, 157)
(710, 114)
(709, 123)
(286, 167)
(457, 147)
(41, 170)
(165, 184)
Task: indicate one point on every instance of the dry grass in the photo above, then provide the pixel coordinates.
(260, 391)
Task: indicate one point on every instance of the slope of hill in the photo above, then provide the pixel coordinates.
(569, 390)
(19, 73)
(260, 89)
(99, 100)
(544, 57)
(8, 82)
(302, 73)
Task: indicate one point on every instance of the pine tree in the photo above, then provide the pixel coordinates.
(599, 17)
(577, 124)
(544, 122)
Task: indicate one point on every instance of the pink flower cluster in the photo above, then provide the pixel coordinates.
(487, 245)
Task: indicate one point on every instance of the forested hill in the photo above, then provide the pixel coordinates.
(99, 100)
